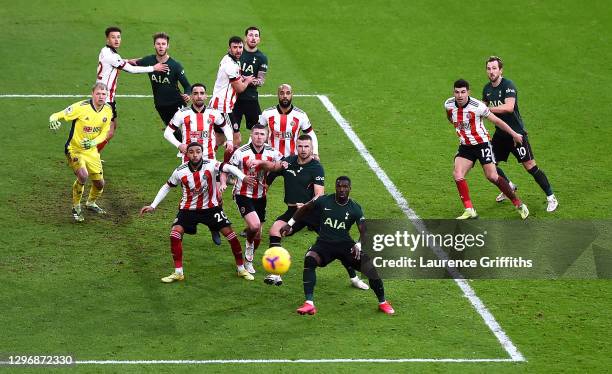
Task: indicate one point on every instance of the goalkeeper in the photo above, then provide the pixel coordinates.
(90, 124)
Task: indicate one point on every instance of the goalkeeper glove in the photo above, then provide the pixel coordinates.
(88, 143)
(54, 124)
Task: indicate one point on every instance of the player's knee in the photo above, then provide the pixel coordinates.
(82, 175)
(458, 174)
(492, 177)
(177, 231)
(310, 261)
(530, 164)
(99, 183)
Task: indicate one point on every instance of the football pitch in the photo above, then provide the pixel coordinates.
(372, 78)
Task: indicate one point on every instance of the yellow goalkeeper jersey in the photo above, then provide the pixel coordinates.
(87, 123)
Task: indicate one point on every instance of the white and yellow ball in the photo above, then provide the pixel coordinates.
(276, 260)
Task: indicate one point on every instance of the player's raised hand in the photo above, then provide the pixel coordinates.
(146, 209)
(54, 124)
(182, 148)
(229, 146)
(164, 68)
(186, 98)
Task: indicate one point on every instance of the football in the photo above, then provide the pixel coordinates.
(276, 260)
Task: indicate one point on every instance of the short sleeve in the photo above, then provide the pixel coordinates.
(264, 63)
(510, 90)
(305, 125)
(235, 159)
(174, 179)
(113, 59)
(319, 176)
(232, 71)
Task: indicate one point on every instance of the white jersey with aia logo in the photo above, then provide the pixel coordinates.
(468, 120)
(224, 96)
(198, 127)
(285, 128)
(240, 158)
(199, 186)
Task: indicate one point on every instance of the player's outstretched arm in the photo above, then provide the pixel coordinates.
(161, 195)
(297, 216)
(518, 138)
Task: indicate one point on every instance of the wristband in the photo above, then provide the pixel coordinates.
(291, 222)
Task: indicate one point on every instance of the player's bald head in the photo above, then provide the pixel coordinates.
(285, 87)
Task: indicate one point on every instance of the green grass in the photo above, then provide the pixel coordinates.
(93, 290)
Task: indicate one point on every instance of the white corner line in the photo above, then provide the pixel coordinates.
(287, 361)
(401, 201)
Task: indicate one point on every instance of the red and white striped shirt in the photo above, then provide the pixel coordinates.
(224, 96)
(199, 186)
(285, 128)
(468, 120)
(110, 65)
(198, 127)
(239, 159)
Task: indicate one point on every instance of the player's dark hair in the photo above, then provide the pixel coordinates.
(161, 35)
(198, 85)
(195, 144)
(251, 28)
(234, 40)
(111, 29)
(343, 178)
(304, 137)
(460, 83)
(500, 63)
(258, 126)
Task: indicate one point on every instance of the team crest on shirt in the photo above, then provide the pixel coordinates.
(294, 122)
(104, 119)
(75, 159)
(468, 116)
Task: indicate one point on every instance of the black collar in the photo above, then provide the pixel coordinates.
(232, 57)
(255, 151)
(193, 170)
(94, 108)
(111, 48)
(466, 103)
(196, 111)
(278, 107)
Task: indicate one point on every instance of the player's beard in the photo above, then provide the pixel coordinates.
(284, 103)
(196, 165)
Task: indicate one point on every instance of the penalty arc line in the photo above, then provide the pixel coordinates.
(401, 201)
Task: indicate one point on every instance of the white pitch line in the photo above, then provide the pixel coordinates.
(287, 361)
(468, 291)
(51, 96)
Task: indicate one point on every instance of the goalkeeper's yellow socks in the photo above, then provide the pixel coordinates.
(77, 193)
(94, 194)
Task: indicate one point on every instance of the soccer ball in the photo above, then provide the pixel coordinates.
(276, 260)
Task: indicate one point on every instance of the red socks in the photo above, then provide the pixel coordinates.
(504, 187)
(176, 246)
(464, 193)
(236, 248)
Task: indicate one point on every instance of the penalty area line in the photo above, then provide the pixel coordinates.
(468, 291)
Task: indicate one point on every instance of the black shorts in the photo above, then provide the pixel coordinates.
(214, 218)
(166, 112)
(227, 118)
(250, 109)
(330, 251)
(481, 152)
(247, 205)
(311, 220)
(113, 106)
(503, 146)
